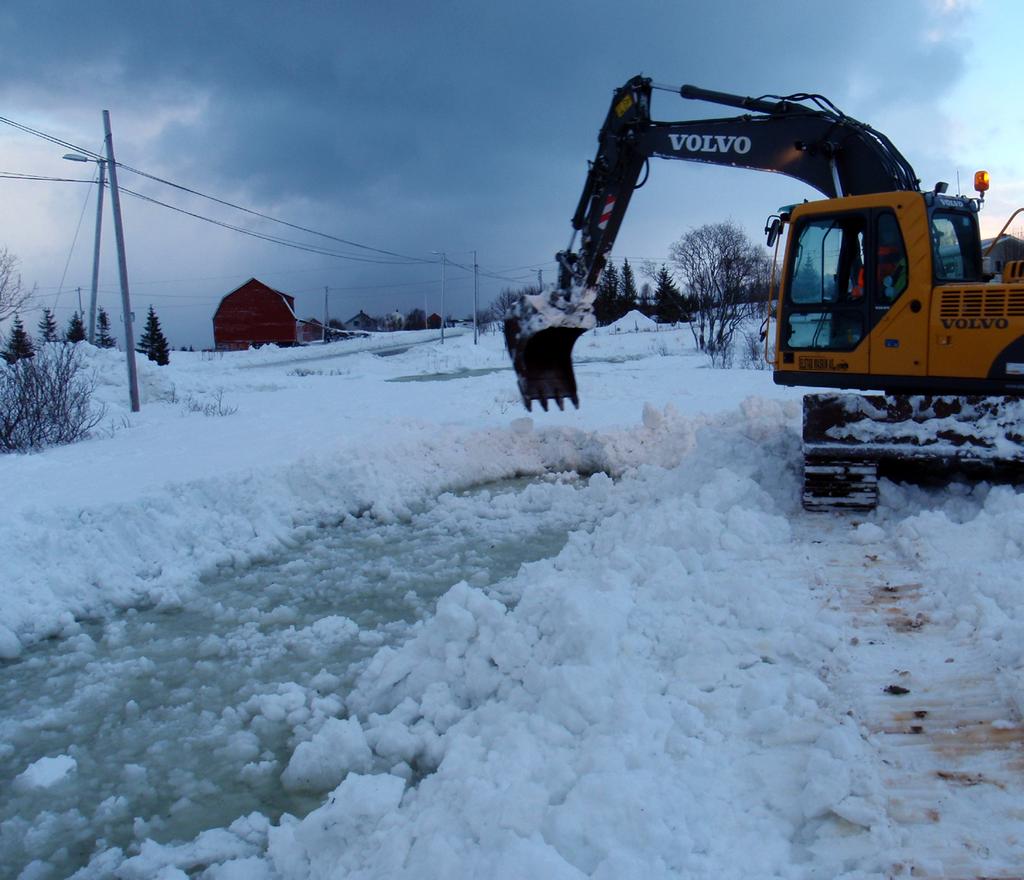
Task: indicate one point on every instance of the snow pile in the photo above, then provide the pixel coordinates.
(45, 773)
(132, 553)
(634, 713)
(633, 322)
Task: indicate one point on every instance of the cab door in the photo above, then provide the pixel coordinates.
(824, 323)
(897, 315)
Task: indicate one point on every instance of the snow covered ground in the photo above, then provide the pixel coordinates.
(327, 613)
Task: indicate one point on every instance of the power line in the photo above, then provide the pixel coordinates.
(70, 146)
(71, 251)
(313, 249)
(263, 216)
(400, 259)
(51, 138)
(11, 175)
(487, 274)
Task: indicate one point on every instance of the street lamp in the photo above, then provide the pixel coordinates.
(102, 163)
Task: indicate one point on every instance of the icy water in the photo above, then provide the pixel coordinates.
(183, 720)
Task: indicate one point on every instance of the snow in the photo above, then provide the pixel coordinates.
(554, 307)
(632, 322)
(320, 612)
(45, 773)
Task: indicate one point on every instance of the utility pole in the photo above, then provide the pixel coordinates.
(79, 300)
(476, 296)
(325, 313)
(540, 278)
(444, 260)
(122, 266)
(96, 252)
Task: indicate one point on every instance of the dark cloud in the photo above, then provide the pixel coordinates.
(417, 126)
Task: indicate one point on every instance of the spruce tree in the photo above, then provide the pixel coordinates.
(103, 337)
(48, 327)
(627, 290)
(76, 329)
(606, 301)
(153, 343)
(19, 343)
(667, 299)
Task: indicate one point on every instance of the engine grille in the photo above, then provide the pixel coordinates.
(981, 303)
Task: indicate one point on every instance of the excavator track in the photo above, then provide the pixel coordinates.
(851, 439)
(835, 484)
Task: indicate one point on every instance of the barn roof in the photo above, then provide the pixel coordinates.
(289, 300)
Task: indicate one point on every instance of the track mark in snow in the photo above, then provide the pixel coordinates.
(951, 744)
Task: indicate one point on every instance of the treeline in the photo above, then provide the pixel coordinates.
(20, 344)
(719, 280)
(617, 295)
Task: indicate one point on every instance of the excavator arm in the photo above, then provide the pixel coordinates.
(803, 136)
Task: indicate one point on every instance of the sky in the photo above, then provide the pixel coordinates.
(459, 128)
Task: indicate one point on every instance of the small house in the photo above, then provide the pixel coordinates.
(362, 321)
(1009, 247)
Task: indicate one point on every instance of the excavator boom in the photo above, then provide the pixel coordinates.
(803, 136)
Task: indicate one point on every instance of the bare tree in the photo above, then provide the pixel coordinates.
(506, 301)
(12, 295)
(487, 321)
(720, 269)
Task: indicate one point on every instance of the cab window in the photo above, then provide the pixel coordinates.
(956, 249)
(825, 305)
(890, 261)
(829, 259)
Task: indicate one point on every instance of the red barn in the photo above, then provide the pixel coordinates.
(255, 314)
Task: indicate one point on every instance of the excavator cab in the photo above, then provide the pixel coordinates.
(864, 283)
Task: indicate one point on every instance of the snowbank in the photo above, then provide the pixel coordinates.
(633, 322)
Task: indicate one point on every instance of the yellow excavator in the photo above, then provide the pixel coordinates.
(882, 288)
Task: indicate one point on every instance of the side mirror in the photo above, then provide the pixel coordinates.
(771, 230)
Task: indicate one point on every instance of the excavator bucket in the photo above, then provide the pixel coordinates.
(539, 334)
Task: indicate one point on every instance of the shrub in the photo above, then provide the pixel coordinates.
(45, 400)
(214, 406)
